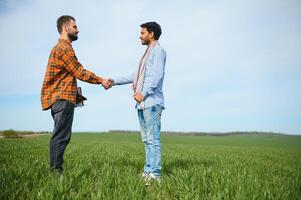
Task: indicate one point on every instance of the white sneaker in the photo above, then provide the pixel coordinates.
(150, 178)
(145, 174)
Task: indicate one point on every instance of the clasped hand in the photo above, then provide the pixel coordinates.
(107, 83)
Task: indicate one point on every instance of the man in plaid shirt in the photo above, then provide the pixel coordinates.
(59, 91)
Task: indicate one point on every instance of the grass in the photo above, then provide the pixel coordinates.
(107, 166)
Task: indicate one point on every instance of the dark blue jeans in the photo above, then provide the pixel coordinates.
(62, 113)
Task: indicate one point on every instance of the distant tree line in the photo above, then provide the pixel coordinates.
(18, 134)
(15, 134)
(202, 133)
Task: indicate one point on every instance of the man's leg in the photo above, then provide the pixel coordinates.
(152, 117)
(62, 112)
(157, 112)
(147, 167)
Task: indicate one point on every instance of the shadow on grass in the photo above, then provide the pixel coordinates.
(185, 164)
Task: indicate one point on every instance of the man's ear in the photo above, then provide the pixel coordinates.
(152, 35)
(64, 28)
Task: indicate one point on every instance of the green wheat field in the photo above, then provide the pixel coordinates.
(108, 165)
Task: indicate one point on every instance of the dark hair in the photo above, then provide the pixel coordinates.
(153, 27)
(64, 19)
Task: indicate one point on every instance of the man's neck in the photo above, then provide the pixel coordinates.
(152, 42)
(65, 37)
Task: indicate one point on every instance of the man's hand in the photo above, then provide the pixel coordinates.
(107, 83)
(138, 97)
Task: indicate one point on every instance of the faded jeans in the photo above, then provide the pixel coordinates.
(150, 124)
(62, 113)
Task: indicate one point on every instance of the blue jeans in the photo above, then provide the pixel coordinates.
(150, 124)
(62, 113)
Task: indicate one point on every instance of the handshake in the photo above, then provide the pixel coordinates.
(107, 83)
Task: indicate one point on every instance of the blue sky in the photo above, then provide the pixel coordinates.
(231, 65)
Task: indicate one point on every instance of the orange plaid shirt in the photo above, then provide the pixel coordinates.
(62, 71)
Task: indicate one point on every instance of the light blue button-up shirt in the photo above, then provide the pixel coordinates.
(153, 81)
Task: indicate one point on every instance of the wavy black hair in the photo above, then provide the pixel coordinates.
(153, 27)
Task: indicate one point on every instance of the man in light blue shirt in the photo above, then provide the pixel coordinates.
(147, 85)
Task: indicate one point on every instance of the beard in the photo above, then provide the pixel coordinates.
(144, 42)
(72, 36)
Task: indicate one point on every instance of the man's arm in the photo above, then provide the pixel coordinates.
(76, 69)
(108, 83)
(123, 80)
